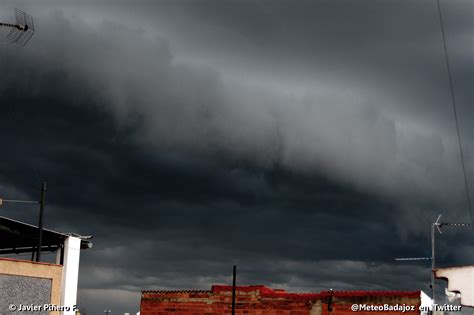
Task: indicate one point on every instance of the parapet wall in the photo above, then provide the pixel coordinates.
(261, 300)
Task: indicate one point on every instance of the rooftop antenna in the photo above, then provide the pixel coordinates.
(23, 29)
(437, 225)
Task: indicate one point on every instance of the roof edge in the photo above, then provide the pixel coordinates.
(270, 292)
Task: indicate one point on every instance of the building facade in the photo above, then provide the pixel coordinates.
(38, 287)
(261, 300)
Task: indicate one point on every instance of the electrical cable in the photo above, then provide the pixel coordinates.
(453, 99)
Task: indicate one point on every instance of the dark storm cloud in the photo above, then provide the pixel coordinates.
(226, 133)
(196, 110)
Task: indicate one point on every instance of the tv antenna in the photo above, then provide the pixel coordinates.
(22, 30)
(437, 225)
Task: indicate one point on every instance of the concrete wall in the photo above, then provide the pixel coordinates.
(26, 282)
(260, 300)
(23, 290)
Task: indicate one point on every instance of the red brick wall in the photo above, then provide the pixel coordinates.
(260, 300)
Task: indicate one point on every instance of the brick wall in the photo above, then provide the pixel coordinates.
(260, 300)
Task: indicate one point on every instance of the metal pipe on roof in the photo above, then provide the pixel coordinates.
(234, 275)
(40, 224)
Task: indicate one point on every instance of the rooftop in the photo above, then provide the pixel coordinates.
(19, 237)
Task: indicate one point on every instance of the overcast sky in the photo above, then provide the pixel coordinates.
(308, 142)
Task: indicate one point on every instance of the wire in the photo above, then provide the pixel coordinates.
(453, 99)
(19, 201)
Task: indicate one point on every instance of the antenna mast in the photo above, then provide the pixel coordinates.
(437, 225)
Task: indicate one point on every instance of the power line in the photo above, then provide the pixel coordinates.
(453, 99)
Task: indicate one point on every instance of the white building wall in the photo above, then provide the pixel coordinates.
(460, 279)
(72, 250)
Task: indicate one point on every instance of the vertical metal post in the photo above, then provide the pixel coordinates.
(40, 224)
(33, 252)
(233, 288)
(433, 260)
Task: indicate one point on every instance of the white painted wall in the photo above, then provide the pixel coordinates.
(460, 279)
(72, 251)
(426, 302)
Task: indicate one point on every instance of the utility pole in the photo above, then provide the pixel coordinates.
(234, 276)
(40, 223)
(434, 225)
